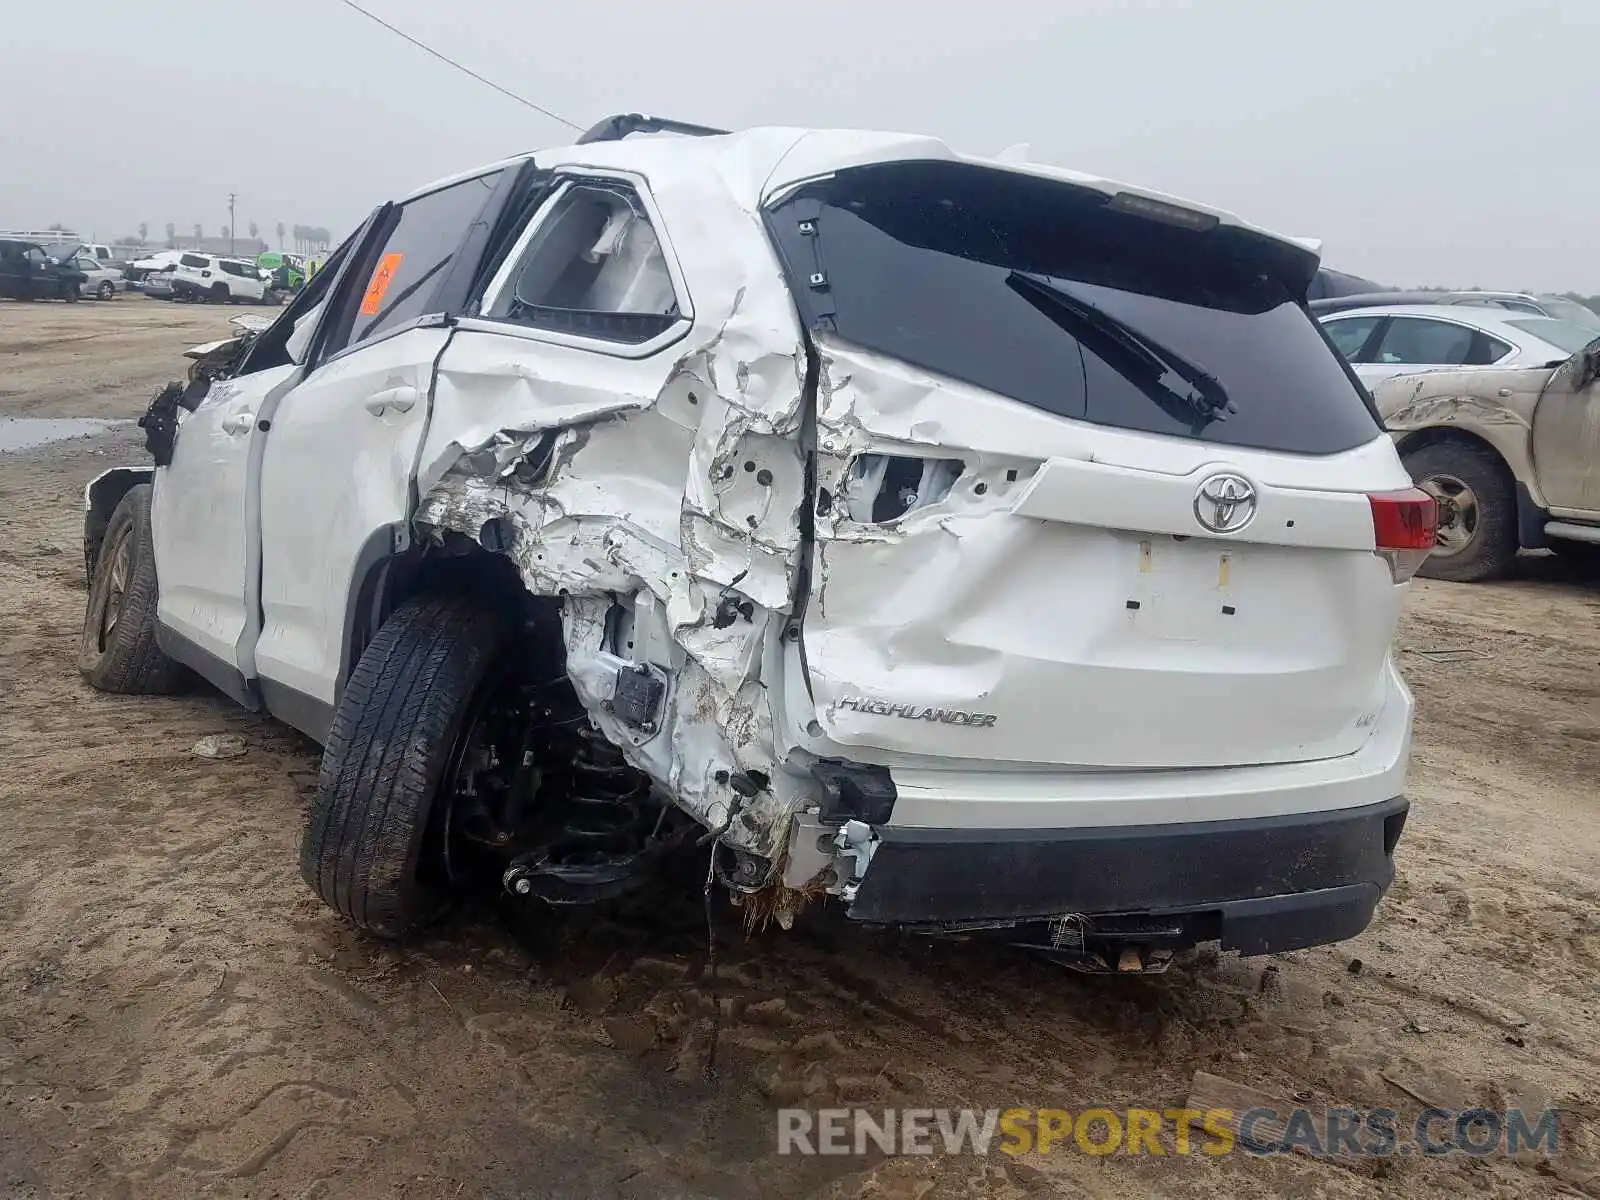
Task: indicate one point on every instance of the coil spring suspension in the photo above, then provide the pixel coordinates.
(604, 810)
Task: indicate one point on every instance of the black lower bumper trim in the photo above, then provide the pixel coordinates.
(1258, 884)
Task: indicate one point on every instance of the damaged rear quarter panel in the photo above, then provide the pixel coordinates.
(672, 483)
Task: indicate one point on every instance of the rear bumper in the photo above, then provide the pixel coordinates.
(1257, 884)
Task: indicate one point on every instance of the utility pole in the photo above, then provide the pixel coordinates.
(232, 233)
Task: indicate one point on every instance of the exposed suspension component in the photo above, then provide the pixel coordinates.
(539, 789)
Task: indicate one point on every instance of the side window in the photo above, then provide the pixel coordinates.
(1486, 350)
(424, 238)
(1350, 335)
(1417, 340)
(198, 262)
(593, 267)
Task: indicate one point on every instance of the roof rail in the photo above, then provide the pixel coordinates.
(614, 129)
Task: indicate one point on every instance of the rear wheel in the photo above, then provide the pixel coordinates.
(69, 293)
(118, 652)
(106, 291)
(1477, 538)
(376, 841)
(220, 293)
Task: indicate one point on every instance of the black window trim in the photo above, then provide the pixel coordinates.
(562, 181)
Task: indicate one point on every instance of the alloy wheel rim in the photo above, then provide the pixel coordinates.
(1458, 512)
(119, 573)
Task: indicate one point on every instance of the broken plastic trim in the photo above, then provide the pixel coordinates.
(854, 791)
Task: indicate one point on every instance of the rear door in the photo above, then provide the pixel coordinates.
(336, 483)
(1030, 545)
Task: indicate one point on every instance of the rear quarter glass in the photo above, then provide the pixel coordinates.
(917, 258)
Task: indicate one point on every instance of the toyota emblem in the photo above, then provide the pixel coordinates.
(1225, 503)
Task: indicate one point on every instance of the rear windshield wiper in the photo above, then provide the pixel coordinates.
(1195, 387)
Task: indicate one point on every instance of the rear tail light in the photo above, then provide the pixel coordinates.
(1404, 526)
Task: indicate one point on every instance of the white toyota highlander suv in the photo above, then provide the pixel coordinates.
(990, 546)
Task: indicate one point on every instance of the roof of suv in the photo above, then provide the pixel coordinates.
(760, 164)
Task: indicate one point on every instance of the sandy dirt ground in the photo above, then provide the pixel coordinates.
(178, 1016)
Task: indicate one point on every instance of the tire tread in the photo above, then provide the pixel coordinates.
(132, 664)
(385, 758)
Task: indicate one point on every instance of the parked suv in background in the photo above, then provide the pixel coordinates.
(220, 280)
(1561, 308)
(989, 546)
(28, 273)
(1558, 308)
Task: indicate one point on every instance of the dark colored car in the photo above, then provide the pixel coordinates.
(1329, 284)
(27, 272)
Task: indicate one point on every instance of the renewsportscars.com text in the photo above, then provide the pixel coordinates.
(1338, 1132)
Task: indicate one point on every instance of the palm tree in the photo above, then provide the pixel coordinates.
(199, 232)
(280, 235)
(255, 232)
(144, 231)
(172, 235)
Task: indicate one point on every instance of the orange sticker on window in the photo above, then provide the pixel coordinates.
(372, 302)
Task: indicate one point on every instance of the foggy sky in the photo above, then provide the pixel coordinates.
(1447, 142)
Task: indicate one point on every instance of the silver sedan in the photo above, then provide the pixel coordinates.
(1404, 339)
(101, 282)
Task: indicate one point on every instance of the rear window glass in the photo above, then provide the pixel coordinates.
(1571, 312)
(1562, 334)
(194, 260)
(1039, 291)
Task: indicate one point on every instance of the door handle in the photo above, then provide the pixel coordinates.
(395, 399)
(238, 423)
